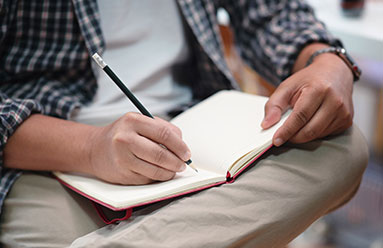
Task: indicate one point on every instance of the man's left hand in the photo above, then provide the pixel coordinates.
(320, 96)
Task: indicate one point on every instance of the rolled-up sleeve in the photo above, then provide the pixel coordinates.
(270, 34)
(12, 113)
(45, 64)
(54, 97)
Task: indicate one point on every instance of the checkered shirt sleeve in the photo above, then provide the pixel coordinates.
(271, 33)
(44, 64)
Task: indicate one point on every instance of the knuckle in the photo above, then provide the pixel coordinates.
(130, 117)
(326, 88)
(320, 92)
(339, 104)
(118, 137)
(160, 156)
(323, 86)
(302, 117)
(287, 133)
(164, 133)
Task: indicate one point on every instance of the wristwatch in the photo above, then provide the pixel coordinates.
(341, 52)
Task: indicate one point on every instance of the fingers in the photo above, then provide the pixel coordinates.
(150, 171)
(316, 126)
(160, 165)
(132, 178)
(332, 116)
(173, 127)
(306, 105)
(153, 153)
(321, 98)
(138, 160)
(145, 149)
(148, 174)
(339, 124)
(276, 106)
(166, 134)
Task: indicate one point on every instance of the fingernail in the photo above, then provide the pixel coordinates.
(278, 142)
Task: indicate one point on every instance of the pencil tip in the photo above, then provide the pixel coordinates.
(189, 163)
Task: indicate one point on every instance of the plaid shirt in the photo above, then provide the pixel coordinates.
(45, 49)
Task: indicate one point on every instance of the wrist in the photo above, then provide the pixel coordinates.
(334, 63)
(335, 57)
(331, 63)
(305, 55)
(342, 54)
(90, 149)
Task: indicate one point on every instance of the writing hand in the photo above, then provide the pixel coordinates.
(129, 152)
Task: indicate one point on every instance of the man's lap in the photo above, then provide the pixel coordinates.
(268, 205)
(39, 212)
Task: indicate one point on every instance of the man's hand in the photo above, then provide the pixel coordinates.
(320, 96)
(129, 151)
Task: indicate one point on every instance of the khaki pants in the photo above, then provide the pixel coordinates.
(267, 206)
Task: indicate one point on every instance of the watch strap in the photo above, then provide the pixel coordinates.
(341, 52)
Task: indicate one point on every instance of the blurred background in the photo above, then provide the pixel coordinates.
(359, 24)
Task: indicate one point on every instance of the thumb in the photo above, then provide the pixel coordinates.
(277, 104)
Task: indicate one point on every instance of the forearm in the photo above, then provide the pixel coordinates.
(124, 152)
(47, 143)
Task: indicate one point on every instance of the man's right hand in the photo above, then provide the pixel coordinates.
(128, 151)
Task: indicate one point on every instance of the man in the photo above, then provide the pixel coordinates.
(170, 55)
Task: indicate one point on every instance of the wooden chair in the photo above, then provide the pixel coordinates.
(247, 78)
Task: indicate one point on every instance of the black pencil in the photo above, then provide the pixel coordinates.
(127, 92)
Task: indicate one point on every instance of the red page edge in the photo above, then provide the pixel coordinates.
(129, 209)
(229, 179)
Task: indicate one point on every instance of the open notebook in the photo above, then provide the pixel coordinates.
(224, 135)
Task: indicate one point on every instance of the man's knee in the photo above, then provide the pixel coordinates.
(353, 162)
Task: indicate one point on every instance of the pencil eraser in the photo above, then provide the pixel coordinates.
(99, 60)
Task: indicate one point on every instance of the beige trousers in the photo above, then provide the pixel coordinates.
(267, 206)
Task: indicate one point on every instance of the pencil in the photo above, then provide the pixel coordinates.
(128, 93)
